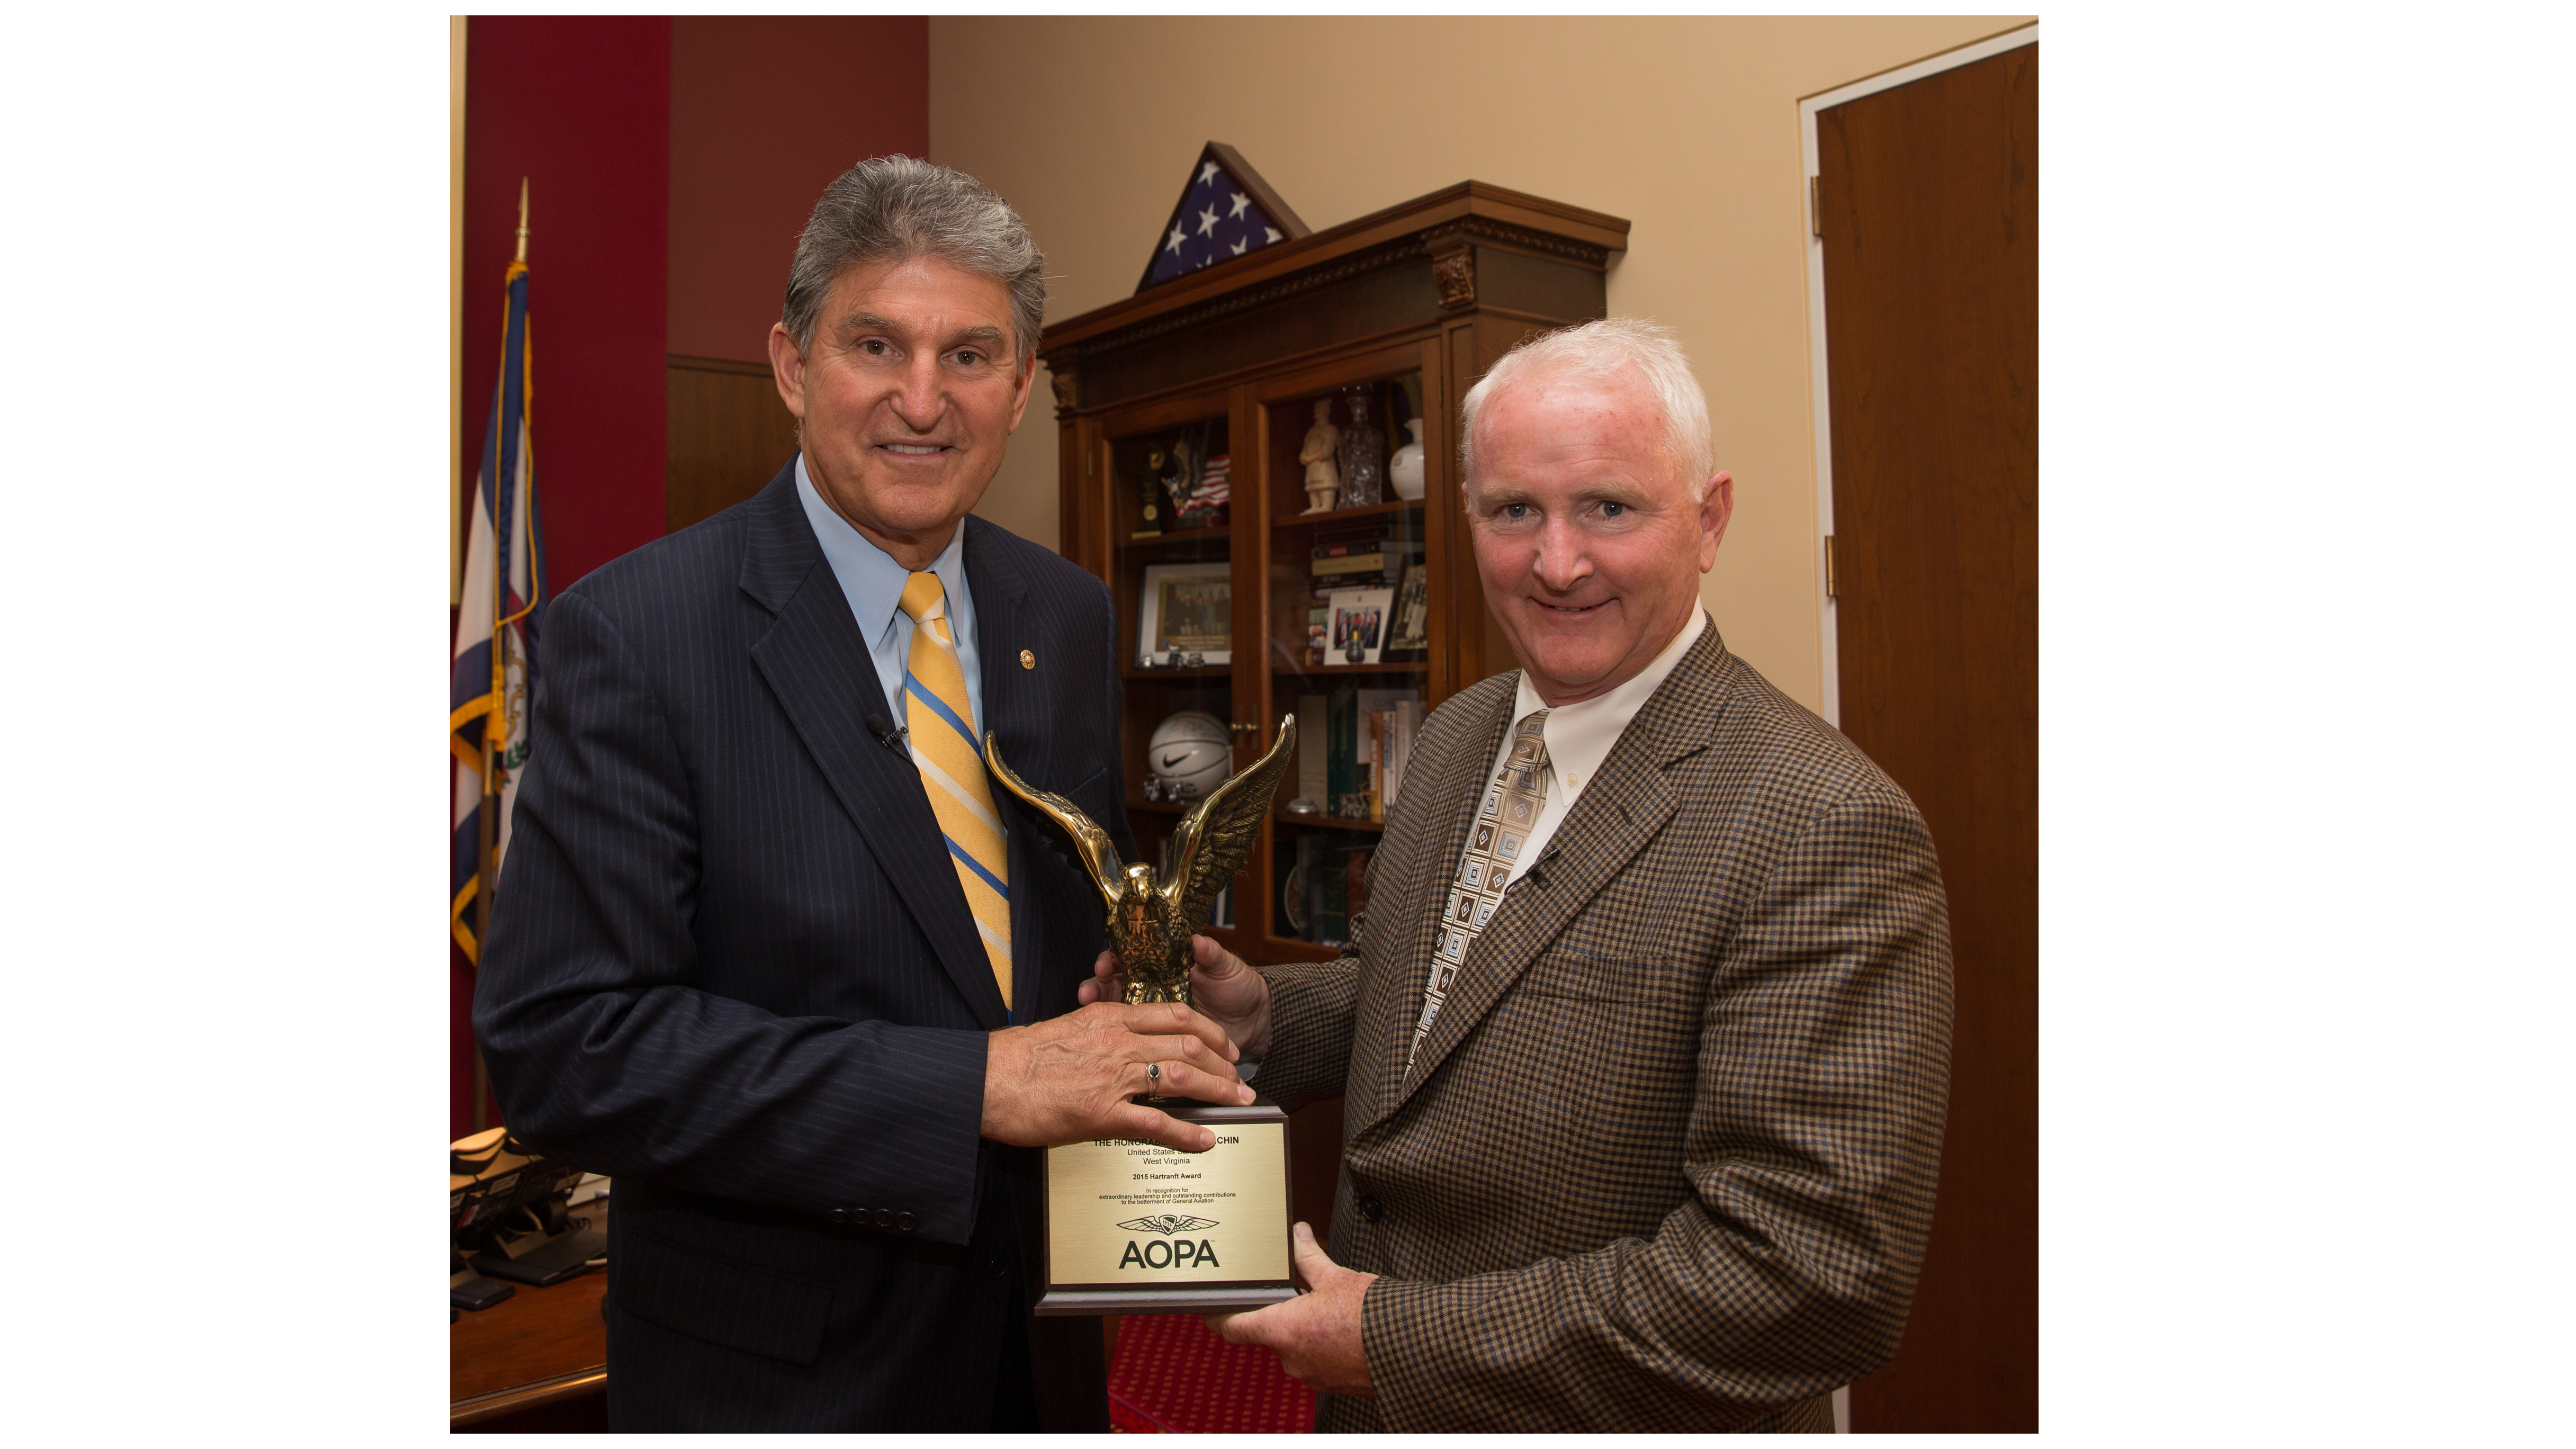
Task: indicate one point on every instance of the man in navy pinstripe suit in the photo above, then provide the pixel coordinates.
(765, 949)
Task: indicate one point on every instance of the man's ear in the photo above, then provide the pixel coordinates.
(1028, 382)
(1714, 510)
(787, 364)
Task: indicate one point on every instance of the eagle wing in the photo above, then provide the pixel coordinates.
(1088, 843)
(1210, 843)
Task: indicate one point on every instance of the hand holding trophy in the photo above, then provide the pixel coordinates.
(1135, 1227)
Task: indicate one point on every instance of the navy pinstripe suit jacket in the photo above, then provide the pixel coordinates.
(730, 965)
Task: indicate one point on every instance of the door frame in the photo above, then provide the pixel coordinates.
(1827, 632)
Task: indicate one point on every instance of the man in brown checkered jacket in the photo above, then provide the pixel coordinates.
(1644, 1038)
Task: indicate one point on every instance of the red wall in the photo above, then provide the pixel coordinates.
(765, 111)
(670, 164)
(582, 108)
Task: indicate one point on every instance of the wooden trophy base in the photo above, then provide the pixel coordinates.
(1136, 1227)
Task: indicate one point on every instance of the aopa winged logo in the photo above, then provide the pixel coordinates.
(1167, 1224)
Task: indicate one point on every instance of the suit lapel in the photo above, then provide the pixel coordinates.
(818, 666)
(1461, 779)
(1626, 806)
(1016, 715)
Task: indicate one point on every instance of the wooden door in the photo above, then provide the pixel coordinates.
(1928, 204)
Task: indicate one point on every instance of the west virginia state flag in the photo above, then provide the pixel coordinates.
(495, 670)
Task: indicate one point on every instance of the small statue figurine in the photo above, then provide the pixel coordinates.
(1323, 475)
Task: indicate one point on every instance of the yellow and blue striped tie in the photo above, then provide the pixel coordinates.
(952, 770)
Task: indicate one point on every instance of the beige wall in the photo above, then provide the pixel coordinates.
(1687, 127)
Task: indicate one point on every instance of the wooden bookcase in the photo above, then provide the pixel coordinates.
(1406, 307)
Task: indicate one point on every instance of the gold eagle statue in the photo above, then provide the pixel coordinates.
(1151, 921)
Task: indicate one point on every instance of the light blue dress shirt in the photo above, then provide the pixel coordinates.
(873, 583)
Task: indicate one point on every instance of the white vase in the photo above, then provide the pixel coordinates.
(1404, 470)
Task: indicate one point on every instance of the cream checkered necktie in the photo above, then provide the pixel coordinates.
(937, 721)
(1513, 800)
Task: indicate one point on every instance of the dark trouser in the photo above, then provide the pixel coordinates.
(731, 1316)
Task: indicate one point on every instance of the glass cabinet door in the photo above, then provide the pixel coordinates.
(1172, 501)
(1346, 628)
(1272, 554)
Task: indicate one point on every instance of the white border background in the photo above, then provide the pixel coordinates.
(2305, 384)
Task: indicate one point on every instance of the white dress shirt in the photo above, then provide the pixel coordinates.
(1579, 735)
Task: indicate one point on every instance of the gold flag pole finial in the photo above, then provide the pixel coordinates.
(523, 221)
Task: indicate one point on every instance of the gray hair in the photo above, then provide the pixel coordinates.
(1609, 348)
(894, 208)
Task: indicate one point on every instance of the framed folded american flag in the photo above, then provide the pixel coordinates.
(1225, 211)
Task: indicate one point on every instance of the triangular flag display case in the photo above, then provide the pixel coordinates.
(1258, 456)
(1225, 211)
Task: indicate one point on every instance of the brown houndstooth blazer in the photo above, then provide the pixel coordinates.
(1667, 1159)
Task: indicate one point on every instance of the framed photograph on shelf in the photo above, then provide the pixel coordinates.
(1186, 609)
(1359, 625)
(1410, 634)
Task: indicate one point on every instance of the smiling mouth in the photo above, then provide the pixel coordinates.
(916, 450)
(1569, 609)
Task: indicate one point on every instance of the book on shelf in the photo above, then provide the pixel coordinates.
(1311, 783)
(1367, 535)
(1374, 543)
(1341, 748)
(1365, 560)
(1368, 742)
(1389, 566)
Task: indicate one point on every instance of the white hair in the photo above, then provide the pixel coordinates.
(1613, 347)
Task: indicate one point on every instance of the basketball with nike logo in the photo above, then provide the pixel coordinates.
(1191, 753)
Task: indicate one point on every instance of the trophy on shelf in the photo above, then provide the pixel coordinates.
(1149, 494)
(1133, 1226)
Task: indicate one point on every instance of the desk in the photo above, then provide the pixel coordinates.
(539, 1360)
(536, 1361)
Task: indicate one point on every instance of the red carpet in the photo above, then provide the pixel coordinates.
(1175, 1377)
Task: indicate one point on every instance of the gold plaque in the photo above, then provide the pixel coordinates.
(1137, 1227)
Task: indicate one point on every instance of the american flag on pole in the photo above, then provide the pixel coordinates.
(494, 671)
(1226, 211)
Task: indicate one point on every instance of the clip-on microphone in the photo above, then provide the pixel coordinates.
(1535, 872)
(887, 735)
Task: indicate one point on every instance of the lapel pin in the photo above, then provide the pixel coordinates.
(1028, 660)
